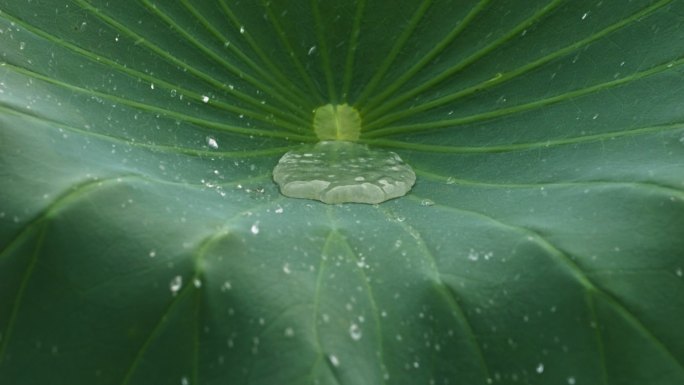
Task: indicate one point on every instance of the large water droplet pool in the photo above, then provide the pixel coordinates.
(343, 172)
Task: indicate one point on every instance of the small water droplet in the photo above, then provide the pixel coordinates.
(152, 253)
(679, 272)
(185, 381)
(211, 142)
(289, 332)
(334, 360)
(355, 332)
(540, 368)
(197, 283)
(22, 45)
(427, 202)
(312, 50)
(205, 99)
(176, 284)
(255, 228)
(242, 29)
(226, 286)
(151, 86)
(279, 210)
(286, 268)
(571, 381)
(451, 180)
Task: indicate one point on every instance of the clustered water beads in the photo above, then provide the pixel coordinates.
(336, 170)
(339, 171)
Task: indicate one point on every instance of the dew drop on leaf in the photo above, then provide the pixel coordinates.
(334, 360)
(211, 142)
(427, 202)
(176, 284)
(355, 332)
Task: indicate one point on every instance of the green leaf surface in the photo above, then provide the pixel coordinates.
(143, 241)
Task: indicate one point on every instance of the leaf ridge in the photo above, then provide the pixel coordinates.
(562, 259)
(448, 294)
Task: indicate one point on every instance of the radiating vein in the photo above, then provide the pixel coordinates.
(351, 50)
(40, 222)
(292, 123)
(325, 52)
(310, 98)
(369, 290)
(295, 108)
(19, 298)
(601, 350)
(424, 61)
(60, 201)
(652, 186)
(202, 248)
(399, 44)
(426, 85)
(316, 304)
(155, 147)
(572, 268)
(513, 74)
(446, 294)
(491, 149)
(168, 56)
(165, 112)
(156, 330)
(306, 77)
(282, 83)
(502, 112)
